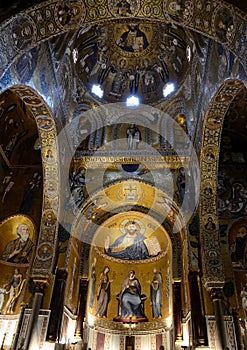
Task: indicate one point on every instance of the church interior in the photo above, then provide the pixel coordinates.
(123, 188)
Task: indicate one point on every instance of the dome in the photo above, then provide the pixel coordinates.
(132, 59)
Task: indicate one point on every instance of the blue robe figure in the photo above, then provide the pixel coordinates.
(131, 298)
(130, 245)
(156, 294)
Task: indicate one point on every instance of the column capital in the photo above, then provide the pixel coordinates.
(216, 293)
(62, 274)
(40, 286)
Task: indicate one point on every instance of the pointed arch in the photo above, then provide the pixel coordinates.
(37, 109)
(111, 201)
(213, 269)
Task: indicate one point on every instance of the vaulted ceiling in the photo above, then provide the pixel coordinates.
(61, 54)
(100, 54)
(11, 7)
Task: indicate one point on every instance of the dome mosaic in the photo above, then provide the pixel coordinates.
(132, 58)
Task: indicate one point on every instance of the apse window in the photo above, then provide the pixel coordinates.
(168, 89)
(132, 101)
(96, 90)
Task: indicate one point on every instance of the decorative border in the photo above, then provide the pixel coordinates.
(43, 319)
(230, 332)
(42, 268)
(217, 20)
(144, 261)
(141, 328)
(213, 269)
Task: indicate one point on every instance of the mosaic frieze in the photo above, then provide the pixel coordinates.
(224, 24)
(125, 9)
(34, 25)
(112, 274)
(47, 135)
(212, 264)
(179, 10)
(23, 31)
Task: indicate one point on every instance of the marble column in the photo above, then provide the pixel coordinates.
(57, 303)
(17, 334)
(217, 297)
(81, 307)
(197, 310)
(39, 289)
(177, 310)
(237, 326)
